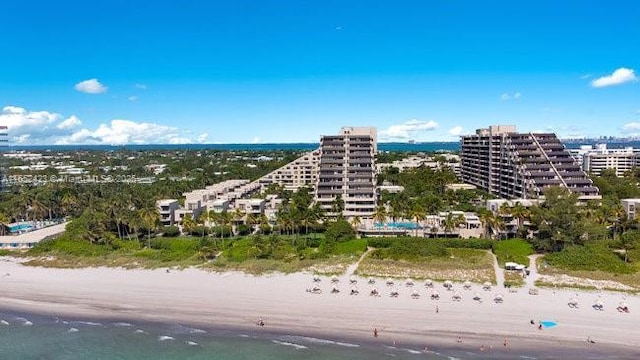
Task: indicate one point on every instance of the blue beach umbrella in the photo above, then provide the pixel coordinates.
(547, 324)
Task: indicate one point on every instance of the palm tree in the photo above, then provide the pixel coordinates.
(380, 216)
(4, 221)
(520, 212)
(417, 213)
(355, 222)
(188, 223)
(150, 216)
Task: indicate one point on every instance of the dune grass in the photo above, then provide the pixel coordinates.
(458, 265)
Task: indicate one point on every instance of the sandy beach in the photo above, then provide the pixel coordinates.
(236, 300)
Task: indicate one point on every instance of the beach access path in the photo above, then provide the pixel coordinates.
(498, 271)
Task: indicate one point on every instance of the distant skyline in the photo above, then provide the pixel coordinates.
(127, 72)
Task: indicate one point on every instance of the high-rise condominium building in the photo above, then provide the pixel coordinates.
(347, 172)
(597, 158)
(521, 165)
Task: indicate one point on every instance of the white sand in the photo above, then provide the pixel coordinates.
(238, 300)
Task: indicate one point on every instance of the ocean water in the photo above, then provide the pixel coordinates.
(25, 336)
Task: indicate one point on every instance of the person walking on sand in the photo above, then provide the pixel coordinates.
(437, 309)
(375, 332)
(506, 343)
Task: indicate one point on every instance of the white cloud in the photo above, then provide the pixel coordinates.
(202, 138)
(44, 127)
(69, 123)
(256, 140)
(618, 77)
(91, 86)
(141, 86)
(127, 132)
(455, 131)
(585, 76)
(24, 125)
(132, 98)
(407, 130)
(507, 96)
(632, 126)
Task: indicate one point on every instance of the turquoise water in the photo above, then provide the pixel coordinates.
(398, 225)
(20, 227)
(33, 337)
(24, 336)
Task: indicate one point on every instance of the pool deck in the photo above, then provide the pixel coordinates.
(28, 239)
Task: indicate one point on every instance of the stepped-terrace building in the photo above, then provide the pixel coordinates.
(521, 165)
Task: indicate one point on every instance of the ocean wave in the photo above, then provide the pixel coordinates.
(296, 346)
(191, 343)
(72, 330)
(165, 337)
(190, 330)
(140, 331)
(312, 340)
(122, 324)
(90, 323)
(4, 322)
(24, 321)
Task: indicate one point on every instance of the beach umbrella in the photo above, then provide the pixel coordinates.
(371, 280)
(415, 294)
(573, 302)
(486, 285)
(548, 324)
(316, 278)
(409, 282)
(477, 297)
(389, 281)
(335, 290)
(467, 284)
(334, 279)
(456, 296)
(435, 294)
(498, 298)
(352, 280)
(448, 284)
(428, 283)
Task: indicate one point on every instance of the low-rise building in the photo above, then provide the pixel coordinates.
(167, 209)
(630, 207)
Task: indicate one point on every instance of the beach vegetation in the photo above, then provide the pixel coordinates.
(590, 257)
(513, 250)
(170, 231)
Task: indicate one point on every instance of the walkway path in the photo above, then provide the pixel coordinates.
(498, 270)
(353, 267)
(533, 271)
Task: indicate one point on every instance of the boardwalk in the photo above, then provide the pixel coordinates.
(29, 239)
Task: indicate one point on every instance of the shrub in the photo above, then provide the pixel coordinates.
(588, 257)
(339, 230)
(411, 248)
(356, 246)
(170, 231)
(199, 230)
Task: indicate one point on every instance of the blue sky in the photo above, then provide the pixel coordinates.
(130, 71)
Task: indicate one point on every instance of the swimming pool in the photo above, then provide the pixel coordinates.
(20, 227)
(398, 225)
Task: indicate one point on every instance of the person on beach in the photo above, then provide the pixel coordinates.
(506, 343)
(375, 332)
(260, 322)
(459, 339)
(437, 309)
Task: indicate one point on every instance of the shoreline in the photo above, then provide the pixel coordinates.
(233, 302)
